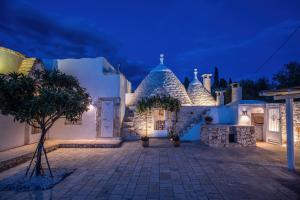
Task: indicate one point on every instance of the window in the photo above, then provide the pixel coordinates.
(273, 119)
(159, 120)
(78, 122)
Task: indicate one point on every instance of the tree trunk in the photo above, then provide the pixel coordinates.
(147, 124)
(38, 166)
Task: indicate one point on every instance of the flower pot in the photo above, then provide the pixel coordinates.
(176, 143)
(145, 143)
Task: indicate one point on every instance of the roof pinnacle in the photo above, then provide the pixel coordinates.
(196, 73)
(161, 59)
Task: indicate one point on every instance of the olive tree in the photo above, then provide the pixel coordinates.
(39, 100)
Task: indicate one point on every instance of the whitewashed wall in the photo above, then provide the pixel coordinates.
(252, 108)
(89, 72)
(86, 130)
(101, 80)
(12, 134)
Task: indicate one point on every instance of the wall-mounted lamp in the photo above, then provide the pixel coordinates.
(244, 113)
(91, 107)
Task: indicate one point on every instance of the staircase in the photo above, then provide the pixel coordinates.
(183, 129)
(27, 65)
(127, 126)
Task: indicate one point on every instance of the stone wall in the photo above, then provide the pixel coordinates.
(245, 135)
(187, 116)
(296, 123)
(217, 135)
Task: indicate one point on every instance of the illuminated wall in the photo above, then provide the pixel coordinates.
(10, 60)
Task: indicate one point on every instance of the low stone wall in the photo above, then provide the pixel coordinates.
(215, 135)
(218, 135)
(245, 135)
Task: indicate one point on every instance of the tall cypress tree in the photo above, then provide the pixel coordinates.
(186, 82)
(230, 81)
(216, 79)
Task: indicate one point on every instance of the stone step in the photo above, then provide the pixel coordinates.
(132, 137)
(127, 124)
(128, 119)
(127, 130)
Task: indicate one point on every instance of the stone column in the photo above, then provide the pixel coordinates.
(207, 82)
(290, 133)
(220, 97)
(236, 92)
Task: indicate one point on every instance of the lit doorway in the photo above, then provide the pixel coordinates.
(273, 132)
(160, 123)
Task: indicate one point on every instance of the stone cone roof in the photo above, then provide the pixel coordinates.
(162, 81)
(199, 94)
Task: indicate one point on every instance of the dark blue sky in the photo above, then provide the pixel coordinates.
(237, 36)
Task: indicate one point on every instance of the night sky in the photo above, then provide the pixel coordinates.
(237, 36)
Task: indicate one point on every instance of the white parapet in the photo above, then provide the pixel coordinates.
(130, 99)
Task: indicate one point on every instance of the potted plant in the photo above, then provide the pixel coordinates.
(208, 119)
(145, 141)
(176, 140)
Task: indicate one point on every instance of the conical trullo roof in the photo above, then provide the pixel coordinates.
(199, 94)
(162, 81)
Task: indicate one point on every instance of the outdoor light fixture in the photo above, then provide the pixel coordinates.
(244, 113)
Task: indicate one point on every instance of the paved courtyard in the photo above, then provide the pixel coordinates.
(192, 171)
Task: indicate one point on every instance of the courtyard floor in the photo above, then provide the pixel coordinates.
(192, 171)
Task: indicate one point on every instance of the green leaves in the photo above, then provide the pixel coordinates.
(165, 102)
(43, 97)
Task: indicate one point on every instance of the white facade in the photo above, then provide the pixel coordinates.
(105, 85)
(102, 81)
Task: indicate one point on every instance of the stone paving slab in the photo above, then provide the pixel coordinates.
(192, 171)
(18, 155)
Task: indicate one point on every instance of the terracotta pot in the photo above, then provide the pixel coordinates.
(176, 143)
(145, 143)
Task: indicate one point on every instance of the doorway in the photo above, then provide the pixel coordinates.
(159, 119)
(257, 120)
(273, 132)
(107, 118)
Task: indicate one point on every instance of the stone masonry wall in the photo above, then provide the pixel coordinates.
(296, 123)
(245, 135)
(217, 135)
(187, 116)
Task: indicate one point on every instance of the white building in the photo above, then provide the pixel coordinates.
(107, 88)
(112, 112)
(106, 85)
(13, 134)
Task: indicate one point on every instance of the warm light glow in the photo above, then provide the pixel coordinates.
(91, 107)
(244, 120)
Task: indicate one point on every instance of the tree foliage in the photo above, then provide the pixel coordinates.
(252, 88)
(216, 78)
(289, 76)
(41, 99)
(164, 102)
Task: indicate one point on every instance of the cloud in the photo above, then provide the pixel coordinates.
(34, 33)
(44, 35)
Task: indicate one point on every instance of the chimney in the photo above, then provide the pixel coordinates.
(236, 92)
(220, 97)
(206, 82)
